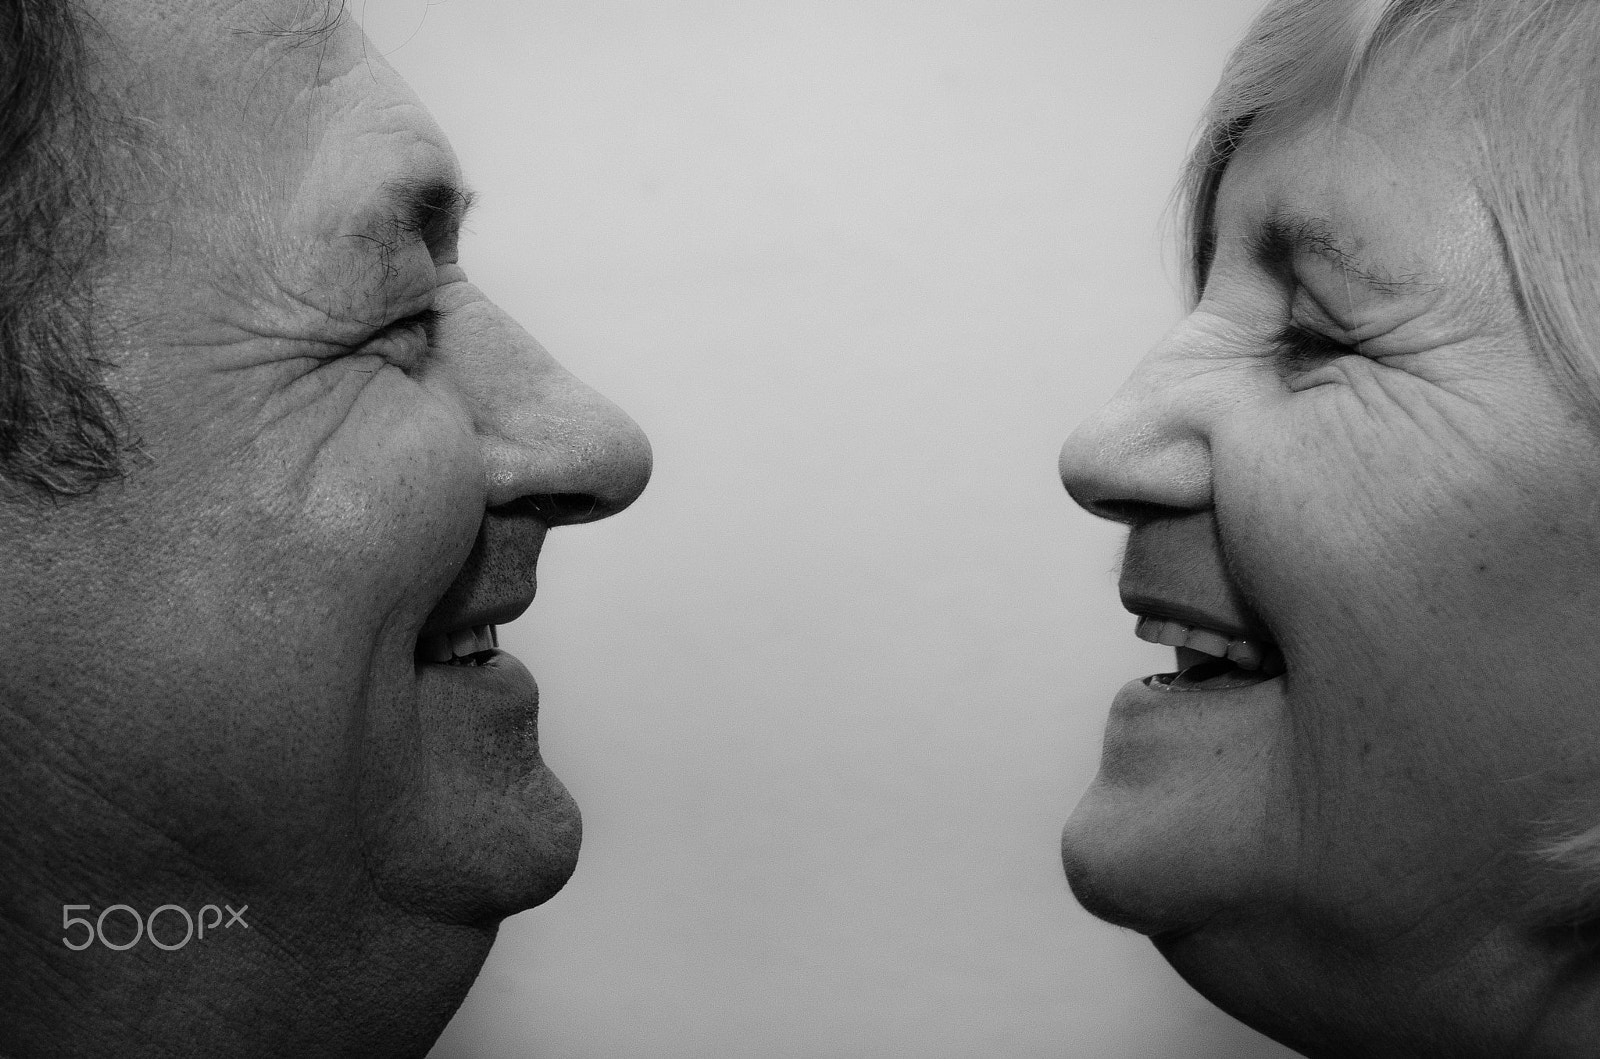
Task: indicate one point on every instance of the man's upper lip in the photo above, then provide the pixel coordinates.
(1151, 606)
(496, 582)
(499, 614)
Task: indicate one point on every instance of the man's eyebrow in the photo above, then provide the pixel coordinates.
(432, 208)
(1286, 235)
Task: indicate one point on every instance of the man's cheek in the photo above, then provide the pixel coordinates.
(394, 496)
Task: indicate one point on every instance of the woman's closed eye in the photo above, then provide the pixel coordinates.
(1301, 349)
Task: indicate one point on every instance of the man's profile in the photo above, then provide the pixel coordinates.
(271, 472)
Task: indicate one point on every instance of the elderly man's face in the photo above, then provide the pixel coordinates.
(1351, 467)
(266, 652)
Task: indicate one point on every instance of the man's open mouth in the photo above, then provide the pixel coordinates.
(1209, 659)
(460, 647)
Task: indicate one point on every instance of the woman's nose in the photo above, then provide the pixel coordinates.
(549, 442)
(1146, 450)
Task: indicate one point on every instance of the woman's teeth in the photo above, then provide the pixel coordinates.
(457, 647)
(1246, 654)
(1222, 661)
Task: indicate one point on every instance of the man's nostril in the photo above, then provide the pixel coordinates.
(563, 509)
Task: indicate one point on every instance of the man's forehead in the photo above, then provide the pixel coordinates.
(271, 141)
(287, 91)
(211, 33)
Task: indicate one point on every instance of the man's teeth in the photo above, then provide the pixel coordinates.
(1246, 654)
(453, 646)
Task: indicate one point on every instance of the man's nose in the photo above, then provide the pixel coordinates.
(549, 442)
(1146, 452)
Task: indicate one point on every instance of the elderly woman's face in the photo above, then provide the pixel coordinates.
(1352, 456)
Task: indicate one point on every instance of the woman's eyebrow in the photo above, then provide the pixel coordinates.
(1286, 235)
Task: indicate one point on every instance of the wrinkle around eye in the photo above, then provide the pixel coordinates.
(1442, 414)
(337, 379)
(1335, 362)
(1364, 393)
(360, 399)
(406, 342)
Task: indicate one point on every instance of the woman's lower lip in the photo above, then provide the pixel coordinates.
(1209, 674)
(1165, 737)
(1138, 697)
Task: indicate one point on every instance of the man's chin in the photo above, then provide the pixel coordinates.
(492, 831)
(483, 829)
(478, 855)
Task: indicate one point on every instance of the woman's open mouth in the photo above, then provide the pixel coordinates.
(1209, 659)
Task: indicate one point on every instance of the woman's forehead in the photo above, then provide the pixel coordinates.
(1384, 189)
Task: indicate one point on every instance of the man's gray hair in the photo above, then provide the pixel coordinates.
(60, 429)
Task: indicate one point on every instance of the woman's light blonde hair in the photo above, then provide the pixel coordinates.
(1525, 78)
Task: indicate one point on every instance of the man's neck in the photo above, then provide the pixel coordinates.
(147, 956)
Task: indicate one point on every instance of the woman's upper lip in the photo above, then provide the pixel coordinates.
(1151, 606)
(1174, 568)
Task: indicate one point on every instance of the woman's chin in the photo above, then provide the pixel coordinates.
(1187, 816)
(1116, 874)
(1162, 861)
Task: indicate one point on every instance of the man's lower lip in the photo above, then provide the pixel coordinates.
(484, 719)
(501, 682)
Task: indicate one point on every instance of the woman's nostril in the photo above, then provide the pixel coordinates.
(1131, 512)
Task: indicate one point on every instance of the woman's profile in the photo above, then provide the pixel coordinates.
(1362, 486)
